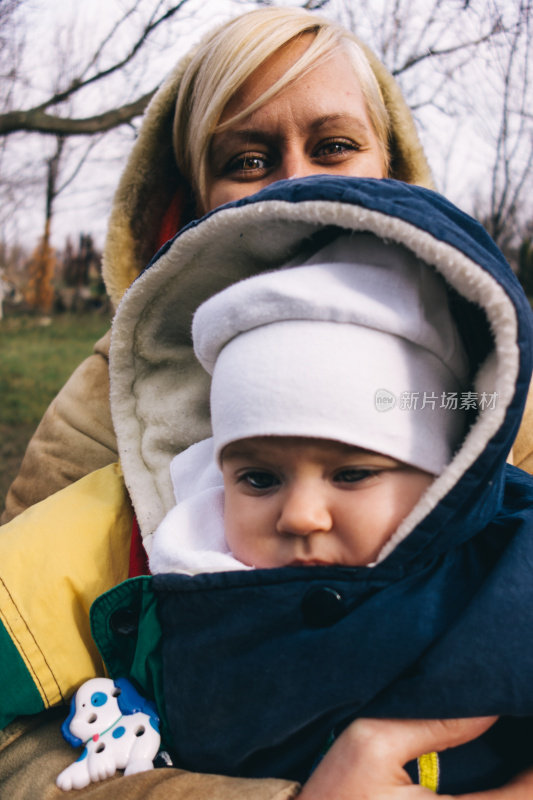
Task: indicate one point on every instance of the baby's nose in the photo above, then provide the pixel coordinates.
(304, 512)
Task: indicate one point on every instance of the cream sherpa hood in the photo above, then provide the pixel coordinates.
(160, 393)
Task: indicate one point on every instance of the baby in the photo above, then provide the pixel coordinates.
(315, 461)
(312, 470)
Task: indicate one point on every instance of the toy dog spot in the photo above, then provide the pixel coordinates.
(118, 732)
(98, 699)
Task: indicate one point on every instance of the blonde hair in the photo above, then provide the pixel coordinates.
(227, 58)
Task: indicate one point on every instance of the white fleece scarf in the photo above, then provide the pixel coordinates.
(191, 539)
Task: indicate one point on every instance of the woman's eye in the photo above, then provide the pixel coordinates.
(248, 163)
(335, 147)
(354, 475)
(259, 480)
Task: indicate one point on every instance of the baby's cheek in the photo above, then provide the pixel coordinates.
(242, 548)
(237, 531)
(230, 523)
(250, 530)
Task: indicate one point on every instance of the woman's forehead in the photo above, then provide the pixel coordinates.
(329, 85)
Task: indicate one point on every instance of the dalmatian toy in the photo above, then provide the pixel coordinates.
(117, 727)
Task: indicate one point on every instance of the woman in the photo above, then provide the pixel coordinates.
(177, 170)
(261, 138)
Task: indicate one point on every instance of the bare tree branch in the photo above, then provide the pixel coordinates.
(38, 121)
(315, 5)
(107, 39)
(93, 141)
(79, 83)
(433, 52)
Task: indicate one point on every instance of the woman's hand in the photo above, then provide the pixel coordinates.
(366, 761)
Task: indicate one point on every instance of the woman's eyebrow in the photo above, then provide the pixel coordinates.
(244, 135)
(259, 134)
(350, 119)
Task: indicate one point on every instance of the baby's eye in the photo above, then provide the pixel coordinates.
(354, 475)
(260, 480)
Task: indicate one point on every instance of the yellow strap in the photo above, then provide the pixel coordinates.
(428, 771)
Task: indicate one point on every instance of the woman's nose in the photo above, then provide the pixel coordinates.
(304, 511)
(295, 164)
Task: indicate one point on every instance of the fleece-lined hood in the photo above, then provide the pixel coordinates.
(153, 200)
(160, 394)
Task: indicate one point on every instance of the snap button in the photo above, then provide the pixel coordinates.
(124, 622)
(322, 606)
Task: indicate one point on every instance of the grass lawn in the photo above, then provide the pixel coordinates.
(37, 355)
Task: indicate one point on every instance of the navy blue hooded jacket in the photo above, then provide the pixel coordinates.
(254, 670)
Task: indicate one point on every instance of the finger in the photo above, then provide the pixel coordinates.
(403, 740)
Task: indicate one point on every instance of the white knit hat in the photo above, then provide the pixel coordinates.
(356, 344)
